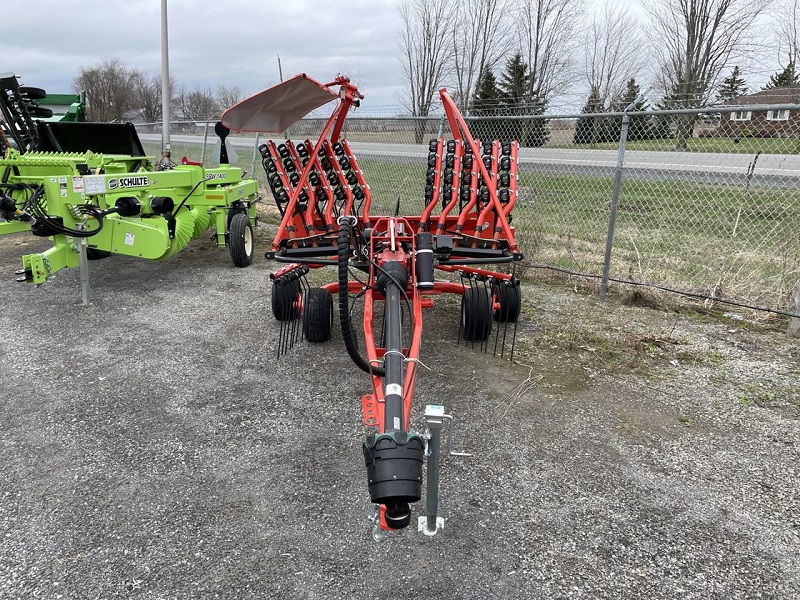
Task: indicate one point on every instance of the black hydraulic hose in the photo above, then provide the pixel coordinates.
(348, 334)
(191, 191)
(34, 206)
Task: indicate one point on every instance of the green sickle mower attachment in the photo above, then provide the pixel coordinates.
(92, 191)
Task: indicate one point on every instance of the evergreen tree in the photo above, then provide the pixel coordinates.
(786, 78)
(586, 128)
(732, 87)
(640, 127)
(515, 84)
(629, 96)
(486, 102)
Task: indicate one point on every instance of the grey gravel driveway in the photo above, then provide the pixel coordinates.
(151, 446)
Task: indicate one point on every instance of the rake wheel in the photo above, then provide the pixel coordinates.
(476, 315)
(318, 315)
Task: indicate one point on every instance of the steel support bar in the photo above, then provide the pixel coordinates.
(432, 522)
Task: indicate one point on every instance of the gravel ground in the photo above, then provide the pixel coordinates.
(153, 447)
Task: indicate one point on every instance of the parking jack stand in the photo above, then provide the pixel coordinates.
(435, 419)
(83, 265)
(432, 522)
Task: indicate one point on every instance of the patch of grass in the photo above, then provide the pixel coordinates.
(715, 358)
(757, 395)
(699, 358)
(684, 234)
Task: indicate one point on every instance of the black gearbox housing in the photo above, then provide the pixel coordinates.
(394, 467)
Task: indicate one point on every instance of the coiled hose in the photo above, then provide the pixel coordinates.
(348, 333)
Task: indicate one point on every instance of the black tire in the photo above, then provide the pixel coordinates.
(232, 212)
(510, 298)
(40, 111)
(240, 240)
(31, 93)
(318, 315)
(284, 301)
(476, 315)
(95, 254)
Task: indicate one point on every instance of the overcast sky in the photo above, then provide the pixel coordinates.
(227, 42)
(231, 42)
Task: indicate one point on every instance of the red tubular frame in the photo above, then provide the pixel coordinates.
(461, 132)
(477, 229)
(475, 226)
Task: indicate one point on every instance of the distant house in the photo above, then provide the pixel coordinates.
(747, 122)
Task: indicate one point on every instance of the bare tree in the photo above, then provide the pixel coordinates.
(697, 39)
(548, 38)
(479, 42)
(425, 52)
(228, 95)
(613, 53)
(198, 105)
(109, 90)
(148, 92)
(788, 32)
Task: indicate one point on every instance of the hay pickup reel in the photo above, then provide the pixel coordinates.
(388, 263)
(90, 188)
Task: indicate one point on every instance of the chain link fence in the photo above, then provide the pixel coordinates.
(701, 202)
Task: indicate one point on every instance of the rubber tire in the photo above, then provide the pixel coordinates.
(476, 315)
(232, 212)
(40, 112)
(510, 299)
(283, 301)
(240, 240)
(95, 254)
(318, 315)
(31, 93)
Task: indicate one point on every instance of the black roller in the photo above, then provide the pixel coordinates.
(162, 205)
(423, 268)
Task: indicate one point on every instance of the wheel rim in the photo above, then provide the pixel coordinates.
(248, 241)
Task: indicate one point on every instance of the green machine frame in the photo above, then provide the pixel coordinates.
(89, 188)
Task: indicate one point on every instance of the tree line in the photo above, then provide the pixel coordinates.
(502, 58)
(117, 92)
(506, 56)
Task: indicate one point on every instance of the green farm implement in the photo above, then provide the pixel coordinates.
(90, 188)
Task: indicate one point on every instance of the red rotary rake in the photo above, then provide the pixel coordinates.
(388, 262)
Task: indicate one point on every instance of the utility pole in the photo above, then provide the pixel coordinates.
(165, 91)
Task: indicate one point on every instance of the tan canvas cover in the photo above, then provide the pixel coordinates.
(276, 108)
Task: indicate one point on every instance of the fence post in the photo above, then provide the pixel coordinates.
(205, 140)
(793, 330)
(255, 152)
(612, 220)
